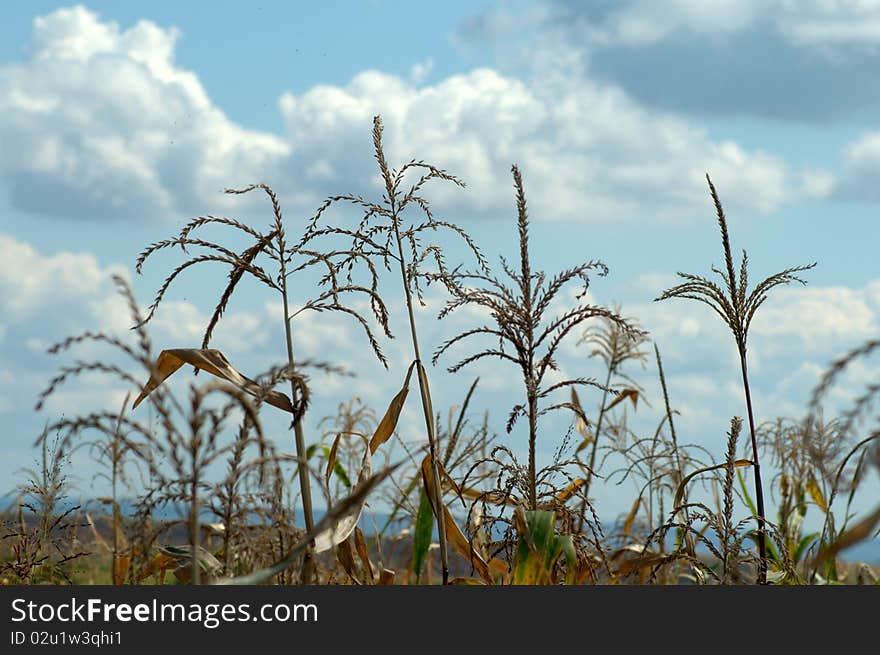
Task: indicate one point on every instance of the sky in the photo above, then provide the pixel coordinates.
(121, 121)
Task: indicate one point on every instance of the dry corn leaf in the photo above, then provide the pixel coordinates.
(632, 394)
(454, 535)
(389, 421)
(331, 456)
(580, 423)
(570, 490)
(96, 536)
(360, 545)
(859, 532)
(491, 497)
(450, 483)
(386, 578)
(816, 493)
(215, 363)
(631, 517)
(178, 559)
(348, 520)
(334, 513)
(345, 557)
(642, 561)
(331, 459)
(586, 569)
(121, 564)
(583, 444)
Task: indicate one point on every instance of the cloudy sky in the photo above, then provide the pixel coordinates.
(121, 121)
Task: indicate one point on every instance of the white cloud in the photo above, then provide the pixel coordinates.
(34, 286)
(421, 70)
(48, 298)
(819, 318)
(861, 160)
(644, 21)
(105, 120)
(106, 125)
(587, 152)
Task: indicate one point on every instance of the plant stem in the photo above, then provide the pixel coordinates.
(429, 420)
(759, 489)
(302, 463)
(679, 471)
(593, 450)
(533, 434)
(194, 520)
(529, 372)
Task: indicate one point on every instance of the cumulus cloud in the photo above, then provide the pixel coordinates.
(820, 317)
(587, 152)
(49, 297)
(34, 286)
(104, 124)
(861, 160)
(100, 123)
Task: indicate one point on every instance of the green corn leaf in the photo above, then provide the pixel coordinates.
(423, 532)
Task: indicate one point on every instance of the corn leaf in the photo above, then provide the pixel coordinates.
(816, 493)
(215, 363)
(389, 421)
(360, 545)
(580, 416)
(859, 532)
(570, 490)
(422, 537)
(336, 512)
(632, 394)
(454, 535)
(631, 517)
(348, 521)
(539, 547)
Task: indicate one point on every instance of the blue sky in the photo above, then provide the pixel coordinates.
(120, 121)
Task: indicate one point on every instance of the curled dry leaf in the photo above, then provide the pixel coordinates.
(493, 497)
(215, 363)
(345, 557)
(178, 559)
(346, 523)
(580, 416)
(389, 421)
(331, 457)
(467, 582)
(632, 394)
(360, 545)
